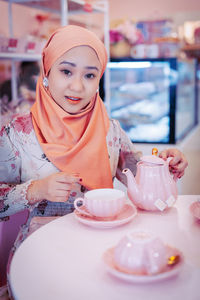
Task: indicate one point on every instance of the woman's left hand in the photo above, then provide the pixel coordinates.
(177, 164)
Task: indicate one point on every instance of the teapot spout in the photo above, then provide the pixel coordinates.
(133, 190)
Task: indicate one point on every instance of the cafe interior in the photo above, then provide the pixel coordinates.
(152, 87)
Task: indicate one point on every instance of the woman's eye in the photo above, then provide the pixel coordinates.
(66, 72)
(90, 75)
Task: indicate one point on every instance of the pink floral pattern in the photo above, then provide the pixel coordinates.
(13, 166)
(24, 124)
(4, 191)
(17, 153)
(73, 194)
(2, 131)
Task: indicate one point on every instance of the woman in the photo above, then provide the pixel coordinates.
(67, 144)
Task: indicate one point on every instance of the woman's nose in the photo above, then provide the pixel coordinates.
(76, 84)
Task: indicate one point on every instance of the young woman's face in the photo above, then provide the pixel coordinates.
(74, 78)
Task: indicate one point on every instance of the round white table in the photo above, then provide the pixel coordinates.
(63, 259)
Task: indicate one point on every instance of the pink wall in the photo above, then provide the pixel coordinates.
(142, 9)
(24, 21)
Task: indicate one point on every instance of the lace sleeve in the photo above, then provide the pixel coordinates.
(13, 198)
(12, 192)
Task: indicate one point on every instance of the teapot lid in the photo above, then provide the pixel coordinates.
(152, 159)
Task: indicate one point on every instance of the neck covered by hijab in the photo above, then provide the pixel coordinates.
(73, 143)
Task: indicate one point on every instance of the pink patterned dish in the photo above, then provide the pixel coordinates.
(126, 215)
(195, 209)
(168, 272)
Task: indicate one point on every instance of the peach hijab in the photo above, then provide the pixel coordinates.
(73, 143)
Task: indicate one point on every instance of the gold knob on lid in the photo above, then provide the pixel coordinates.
(172, 260)
(154, 151)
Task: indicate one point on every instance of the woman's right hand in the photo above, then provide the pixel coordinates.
(55, 188)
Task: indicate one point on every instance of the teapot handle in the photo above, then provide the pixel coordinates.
(171, 174)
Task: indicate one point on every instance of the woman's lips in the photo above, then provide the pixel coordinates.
(73, 100)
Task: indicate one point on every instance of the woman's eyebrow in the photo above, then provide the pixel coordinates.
(67, 63)
(92, 68)
(74, 65)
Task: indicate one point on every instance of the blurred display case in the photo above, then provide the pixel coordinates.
(155, 100)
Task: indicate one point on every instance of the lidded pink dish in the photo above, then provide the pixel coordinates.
(140, 253)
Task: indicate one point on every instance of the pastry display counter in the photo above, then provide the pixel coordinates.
(154, 99)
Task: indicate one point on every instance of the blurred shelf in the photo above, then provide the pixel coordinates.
(192, 50)
(73, 6)
(20, 56)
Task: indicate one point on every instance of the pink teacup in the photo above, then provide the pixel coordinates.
(101, 203)
(140, 253)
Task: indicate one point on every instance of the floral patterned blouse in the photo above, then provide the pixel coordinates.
(22, 160)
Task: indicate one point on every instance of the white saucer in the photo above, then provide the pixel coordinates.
(169, 272)
(126, 215)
